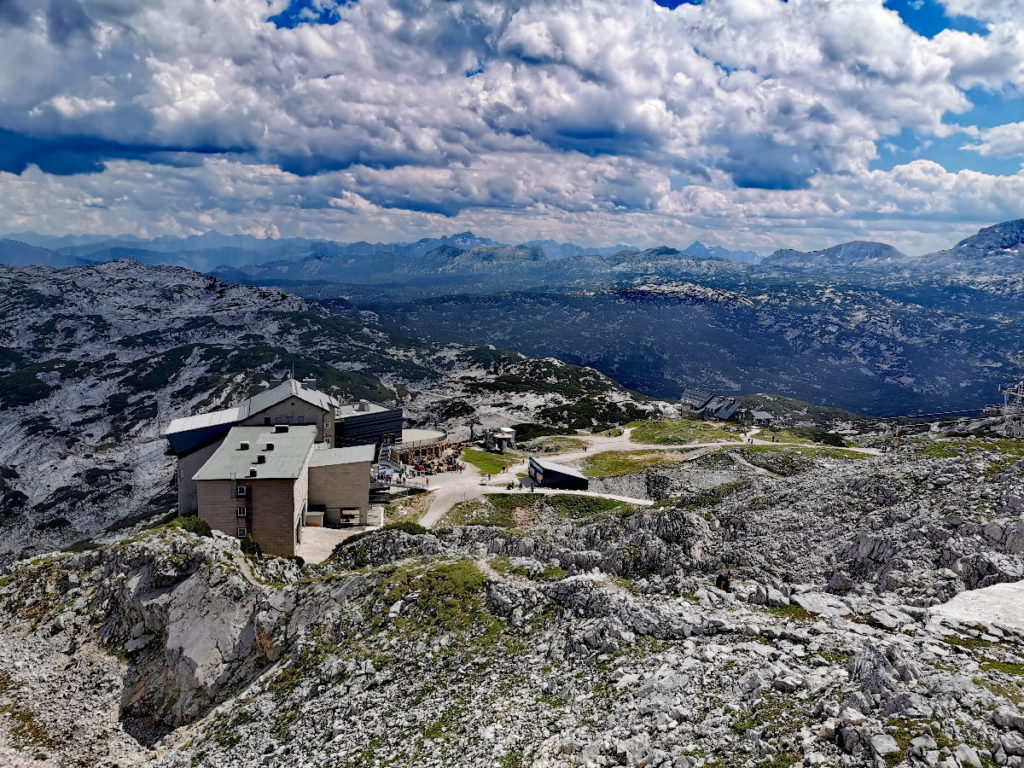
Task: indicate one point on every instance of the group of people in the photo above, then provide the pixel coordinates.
(450, 461)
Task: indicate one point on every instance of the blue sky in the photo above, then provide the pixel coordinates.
(748, 123)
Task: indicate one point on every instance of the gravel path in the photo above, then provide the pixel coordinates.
(450, 488)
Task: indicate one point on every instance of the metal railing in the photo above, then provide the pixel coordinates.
(419, 443)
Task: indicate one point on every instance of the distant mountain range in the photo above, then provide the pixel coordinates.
(854, 254)
(214, 252)
(467, 257)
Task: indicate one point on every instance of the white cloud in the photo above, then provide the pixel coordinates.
(1001, 141)
(608, 118)
(986, 10)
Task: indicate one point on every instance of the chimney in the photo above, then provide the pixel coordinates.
(261, 459)
(270, 447)
(280, 429)
(252, 473)
(243, 446)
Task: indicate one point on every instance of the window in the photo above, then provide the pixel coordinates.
(241, 491)
(280, 420)
(266, 420)
(241, 533)
(300, 419)
(241, 511)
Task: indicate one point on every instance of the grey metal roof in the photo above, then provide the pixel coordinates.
(204, 420)
(352, 409)
(288, 458)
(284, 390)
(726, 411)
(354, 454)
(763, 415)
(695, 397)
(253, 405)
(552, 466)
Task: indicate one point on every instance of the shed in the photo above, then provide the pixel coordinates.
(548, 474)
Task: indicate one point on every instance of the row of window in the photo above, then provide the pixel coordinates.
(283, 420)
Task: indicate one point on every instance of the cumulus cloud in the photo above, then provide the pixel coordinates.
(619, 114)
(1001, 141)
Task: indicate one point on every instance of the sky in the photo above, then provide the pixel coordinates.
(745, 123)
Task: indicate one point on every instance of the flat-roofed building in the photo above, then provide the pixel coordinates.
(366, 423)
(498, 440)
(339, 484)
(548, 474)
(269, 482)
(257, 483)
(194, 439)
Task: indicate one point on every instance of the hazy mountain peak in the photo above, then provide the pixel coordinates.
(853, 253)
(699, 250)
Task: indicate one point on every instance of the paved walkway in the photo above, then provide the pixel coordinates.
(452, 487)
(318, 543)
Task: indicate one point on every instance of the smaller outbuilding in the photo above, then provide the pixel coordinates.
(548, 474)
(500, 440)
(694, 399)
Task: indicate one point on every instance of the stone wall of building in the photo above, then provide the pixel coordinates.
(188, 497)
(275, 509)
(345, 486)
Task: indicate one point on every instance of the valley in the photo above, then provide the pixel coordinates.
(98, 359)
(487, 624)
(859, 326)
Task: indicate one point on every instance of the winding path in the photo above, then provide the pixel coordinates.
(449, 489)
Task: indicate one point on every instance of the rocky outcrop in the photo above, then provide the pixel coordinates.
(594, 641)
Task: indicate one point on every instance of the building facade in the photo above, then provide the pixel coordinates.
(194, 439)
(272, 482)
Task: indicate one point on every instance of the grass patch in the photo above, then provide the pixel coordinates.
(490, 463)
(1006, 667)
(495, 509)
(530, 431)
(809, 451)
(1008, 452)
(408, 509)
(555, 445)
(804, 436)
(791, 612)
(679, 431)
(191, 524)
(834, 657)
(712, 496)
(970, 643)
(450, 599)
(778, 715)
(617, 463)
(574, 507)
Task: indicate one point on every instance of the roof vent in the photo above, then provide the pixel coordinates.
(243, 446)
(269, 447)
(280, 429)
(252, 473)
(261, 459)
(362, 405)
